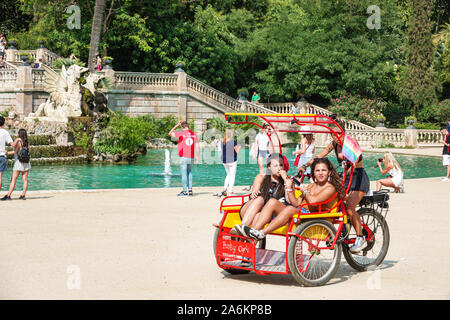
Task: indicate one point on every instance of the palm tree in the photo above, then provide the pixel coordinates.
(96, 30)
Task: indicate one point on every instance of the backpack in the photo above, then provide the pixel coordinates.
(23, 155)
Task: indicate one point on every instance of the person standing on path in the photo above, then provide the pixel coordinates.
(230, 149)
(446, 152)
(5, 138)
(262, 141)
(187, 148)
(19, 166)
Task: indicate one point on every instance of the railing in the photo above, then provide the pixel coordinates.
(8, 78)
(223, 99)
(199, 87)
(382, 138)
(428, 136)
(20, 52)
(38, 78)
(286, 107)
(50, 57)
(141, 79)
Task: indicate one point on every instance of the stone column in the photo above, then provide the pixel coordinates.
(110, 76)
(182, 89)
(40, 54)
(24, 91)
(11, 55)
(411, 137)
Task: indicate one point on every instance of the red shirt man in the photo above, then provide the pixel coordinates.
(188, 149)
(187, 141)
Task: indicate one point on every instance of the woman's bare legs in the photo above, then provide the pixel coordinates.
(281, 219)
(273, 206)
(12, 185)
(25, 182)
(387, 182)
(261, 165)
(352, 201)
(250, 210)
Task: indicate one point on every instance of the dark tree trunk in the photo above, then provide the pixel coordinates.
(96, 30)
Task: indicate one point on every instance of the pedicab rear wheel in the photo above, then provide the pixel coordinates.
(261, 245)
(311, 266)
(377, 248)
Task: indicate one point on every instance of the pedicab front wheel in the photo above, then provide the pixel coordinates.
(311, 260)
(261, 245)
(377, 236)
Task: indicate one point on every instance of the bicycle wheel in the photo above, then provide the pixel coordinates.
(309, 262)
(377, 241)
(260, 245)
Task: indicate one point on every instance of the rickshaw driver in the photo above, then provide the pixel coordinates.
(359, 187)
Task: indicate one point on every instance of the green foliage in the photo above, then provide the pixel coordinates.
(125, 135)
(4, 113)
(353, 107)
(418, 85)
(58, 63)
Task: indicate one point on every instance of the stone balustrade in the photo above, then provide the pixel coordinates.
(38, 78)
(133, 80)
(429, 136)
(8, 78)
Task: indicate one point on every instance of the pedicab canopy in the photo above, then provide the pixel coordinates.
(301, 123)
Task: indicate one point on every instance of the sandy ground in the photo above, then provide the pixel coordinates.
(149, 244)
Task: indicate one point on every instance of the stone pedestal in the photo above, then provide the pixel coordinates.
(182, 99)
(11, 55)
(411, 137)
(24, 91)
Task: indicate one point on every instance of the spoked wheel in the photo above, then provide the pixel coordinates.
(376, 231)
(310, 263)
(261, 245)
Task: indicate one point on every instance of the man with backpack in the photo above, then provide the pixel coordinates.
(446, 151)
(5, 138)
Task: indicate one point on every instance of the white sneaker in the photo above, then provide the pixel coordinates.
(445, 179)
(360, 243)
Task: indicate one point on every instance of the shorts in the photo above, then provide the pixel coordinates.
(263, 153)
(360, 180)
(446, 159)
(2, 164)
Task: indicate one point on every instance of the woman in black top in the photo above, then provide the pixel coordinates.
(359, 187)
(265, 187)
(230, 149)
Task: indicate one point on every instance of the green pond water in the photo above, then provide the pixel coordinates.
(149, 169)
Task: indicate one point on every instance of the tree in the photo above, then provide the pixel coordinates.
(96, 30)
(418, 85)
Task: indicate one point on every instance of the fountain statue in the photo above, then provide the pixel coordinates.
(65, 94)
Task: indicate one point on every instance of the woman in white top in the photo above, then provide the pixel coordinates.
(262, 141)
(395, 172)
(306, 150)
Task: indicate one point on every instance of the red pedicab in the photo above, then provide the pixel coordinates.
(314, 241)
